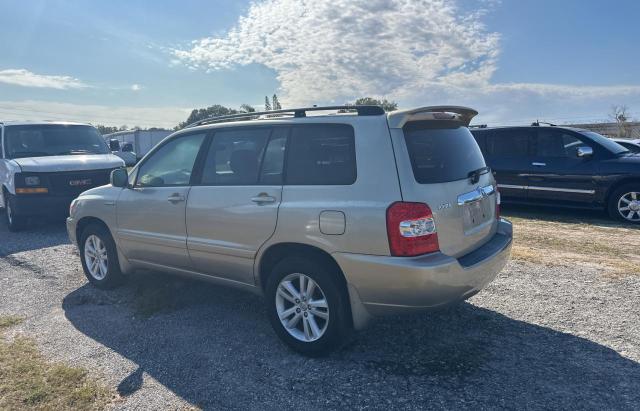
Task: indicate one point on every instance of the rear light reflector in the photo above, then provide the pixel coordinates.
(411, 229)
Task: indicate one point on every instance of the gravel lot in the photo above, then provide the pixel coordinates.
(541, 336)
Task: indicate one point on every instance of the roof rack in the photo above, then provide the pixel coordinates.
(538, 122)
(478, 126)
(364, 110)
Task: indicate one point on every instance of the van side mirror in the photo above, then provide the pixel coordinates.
(584, 151)
(114, 145)
(119, 178)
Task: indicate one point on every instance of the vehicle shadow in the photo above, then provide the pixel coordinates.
(38, 234)
(214, 348)
(563, 215)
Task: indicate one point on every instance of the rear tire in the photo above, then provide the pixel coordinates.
(624, 203)
(14, 222)
(315, 323)
(99, 257)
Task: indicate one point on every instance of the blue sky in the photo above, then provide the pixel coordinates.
(148, 63)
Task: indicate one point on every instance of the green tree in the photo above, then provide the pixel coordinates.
(384, 103)
(267, 104)
(276, 103)
(247, 108)
(106, 129)
(203, 113)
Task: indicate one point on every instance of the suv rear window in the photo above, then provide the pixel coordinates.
(321, 154)
(439, 153)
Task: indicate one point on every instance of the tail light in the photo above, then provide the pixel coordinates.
(411, 229)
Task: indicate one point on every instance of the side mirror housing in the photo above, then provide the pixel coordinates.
(584, 151)
(114, 145)
(119, 178)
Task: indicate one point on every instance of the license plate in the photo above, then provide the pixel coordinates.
(475, 214)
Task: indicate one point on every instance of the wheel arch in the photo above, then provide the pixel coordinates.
(84, 222)
(617, 185)
(276, 252)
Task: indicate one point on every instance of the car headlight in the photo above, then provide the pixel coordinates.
(32, 181)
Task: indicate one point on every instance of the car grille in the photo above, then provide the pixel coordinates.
(75, 182)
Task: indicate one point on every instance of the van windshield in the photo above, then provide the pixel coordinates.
(440, 153)
(52, 140)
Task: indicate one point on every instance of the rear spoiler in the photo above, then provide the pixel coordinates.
(398, 118)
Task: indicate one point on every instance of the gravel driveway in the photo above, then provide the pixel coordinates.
(539, 337)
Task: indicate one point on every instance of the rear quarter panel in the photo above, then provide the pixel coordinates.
(363, 203)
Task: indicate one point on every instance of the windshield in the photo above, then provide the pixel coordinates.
(609, 144)
(52, 140)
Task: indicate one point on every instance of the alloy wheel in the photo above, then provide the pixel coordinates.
(302, 307)
(629, 206)
(95, 257)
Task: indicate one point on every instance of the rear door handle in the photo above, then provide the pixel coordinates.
(175, 198)
(263, 198)
(536, 164)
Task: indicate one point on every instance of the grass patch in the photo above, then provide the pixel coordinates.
(30, 382)
(9, 321)
(608, 246)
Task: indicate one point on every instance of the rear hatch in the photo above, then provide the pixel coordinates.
(440, 164)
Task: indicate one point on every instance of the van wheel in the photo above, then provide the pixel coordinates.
(14, 222)
(624, 204)
(99, 257)
(307, 307)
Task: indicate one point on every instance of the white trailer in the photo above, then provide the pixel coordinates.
(142, 141)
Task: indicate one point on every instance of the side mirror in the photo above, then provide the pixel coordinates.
(584, 151)
(119, 178)
(114, 145)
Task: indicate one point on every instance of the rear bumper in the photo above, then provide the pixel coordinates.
(389, 285)
(41, 205)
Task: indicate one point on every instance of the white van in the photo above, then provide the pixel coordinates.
(45, 165)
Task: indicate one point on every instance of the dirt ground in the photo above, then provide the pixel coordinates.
(575, 238)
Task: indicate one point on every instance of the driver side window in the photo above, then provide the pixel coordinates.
(172, 164)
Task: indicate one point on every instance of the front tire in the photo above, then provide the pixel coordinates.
(14, 222)
(99, 257)
(307, 306)
(624, 204)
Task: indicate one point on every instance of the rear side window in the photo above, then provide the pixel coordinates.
(234, 157)
(508, 143)
(321, 154)
(439, 154)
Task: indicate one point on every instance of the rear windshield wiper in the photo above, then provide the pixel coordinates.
(474, 176)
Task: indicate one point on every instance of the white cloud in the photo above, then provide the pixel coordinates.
(413, 51)
(167, 117)
(136, 87)
(337, 49)
(26, 78)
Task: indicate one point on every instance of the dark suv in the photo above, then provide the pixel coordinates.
(563, 166)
